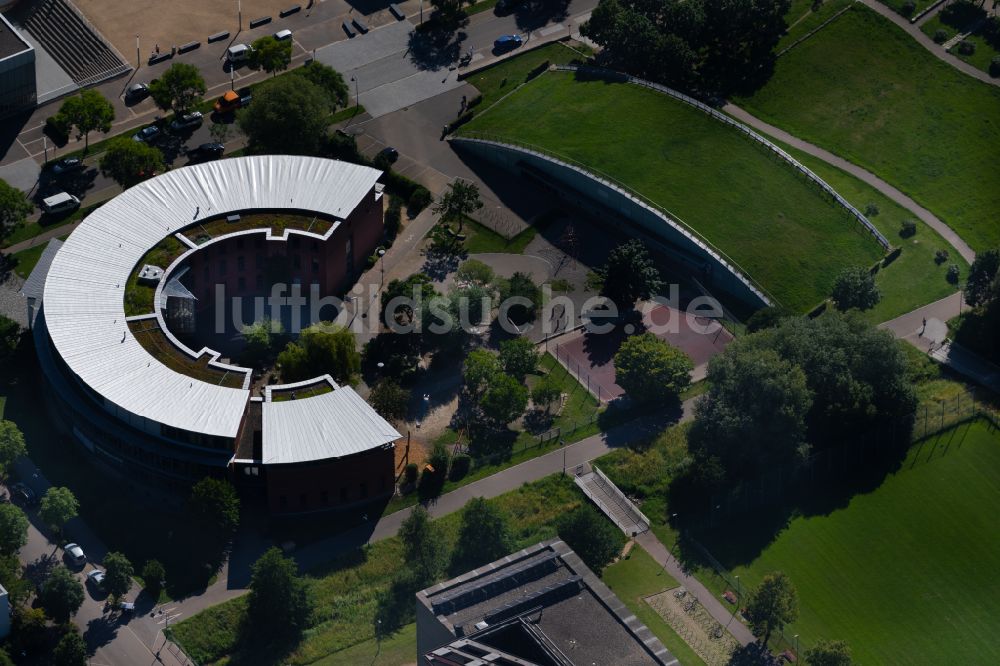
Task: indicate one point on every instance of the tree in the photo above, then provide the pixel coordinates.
(480, 369)
(504, 400)
(288, 116)
(260, 338)
(518, 357)
(389, 399)
(322, 348)
(270, 54)
(71, 650)
(178, 88)
(11, 445)
(220, 132)
(629, 274)
(520, 285)
(58, 507)
(751, 654)
(129, 162)
(547, 391)
(855, 288)
(403, 300)
(328, 79)
(981, 287)
(18, 588)
(29, 630)
(772, 605)
(768, 317)
(215, 507)
(651, 370)
(118, 573)
(483, 537)
(591, 536)
(10, 338)
(474, 271)
(154, 574)
(470, 306)
(279, 603)
(13, 529)
(14, 207)
(421, 545)
(449, 12)
(61, 595)
(755, 410)
(829, 653)
(459, 202)
(88, 111)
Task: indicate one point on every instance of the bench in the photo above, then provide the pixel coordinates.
(294, 9)
(396, 11)
(348, 29)
(218, 37)
(257, 22)
(190, 46)
(360, 25)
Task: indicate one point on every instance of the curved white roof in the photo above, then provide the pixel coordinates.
(84, 290)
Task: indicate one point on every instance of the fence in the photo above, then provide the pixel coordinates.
(597, 388)
(721, 117)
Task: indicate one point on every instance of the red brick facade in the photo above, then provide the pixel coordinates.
(330, 484)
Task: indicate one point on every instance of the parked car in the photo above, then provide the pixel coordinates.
(388, 154)
(96, 578)
(59, 203)
(507, 42)
(136, 92)
(206, 152)
(283, 34)
(149, 134)
(246, 96)
(67, 165)
(22, 495)
(238, 53)
(74, 554)
(187, 121)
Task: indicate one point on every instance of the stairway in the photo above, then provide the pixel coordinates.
(612, 502)
(73, 42)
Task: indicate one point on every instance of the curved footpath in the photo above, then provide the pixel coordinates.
(913, 29)
(861, 174)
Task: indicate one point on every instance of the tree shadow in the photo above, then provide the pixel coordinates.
(538, 421)
(434, 47)
(534, 14)
(437, 264)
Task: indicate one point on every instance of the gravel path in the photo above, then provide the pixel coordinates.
(12, 304)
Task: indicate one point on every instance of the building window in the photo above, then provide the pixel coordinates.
(260, 280)
(241, 283)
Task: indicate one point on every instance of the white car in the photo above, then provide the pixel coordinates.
(75, 554)
(96, 578)
(283, 34)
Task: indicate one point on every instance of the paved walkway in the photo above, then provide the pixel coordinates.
(866, 176)
(914, 31)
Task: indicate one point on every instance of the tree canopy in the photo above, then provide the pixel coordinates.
(389, 399)
(520, 285)
(61, 594)
(855, 288)
(270, 54)
(71, 650)
(772, 605)
(629, 274)
(504, 400)
(591, 536)
(518, 357)
(459, 202)
(12, 445)
(406, 294)
(279, 603)
(829, 653)
(651, 370)
(289, 116)
(58, 507)
(322, 348)
(328, 79)
(215, 507)
(178, 88)
(118, 574)
(421, 545)
(13, 529)
(14, 207)
(260, 339)
(483, 537)
(706, 45)
(88, 111)
(130, 162)
(982, 284)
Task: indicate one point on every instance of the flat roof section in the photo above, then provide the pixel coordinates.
(543, 600)
(84, 291)
(11, 41)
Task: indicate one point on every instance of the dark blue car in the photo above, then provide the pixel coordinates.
(507, 42)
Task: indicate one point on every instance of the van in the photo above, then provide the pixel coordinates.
(237, 53)
(60, 203)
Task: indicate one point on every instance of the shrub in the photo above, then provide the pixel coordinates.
(966, 48)
(460, 466)
(995, 66)
(410, 473)
(908, 8)
(370, 261)
(393, 217)
(539, 69)
(907, 228)
(475, 101)
(461, 120)
(940, 257)
(940, 36)
(953, 273)
(420, 198)
(871, 209)
(57, 128)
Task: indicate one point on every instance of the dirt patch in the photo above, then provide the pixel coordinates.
(681, 610)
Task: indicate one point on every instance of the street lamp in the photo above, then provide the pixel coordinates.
(239, 14)
(138, 58)
(381, 254)
(739, 591)
(796, 637)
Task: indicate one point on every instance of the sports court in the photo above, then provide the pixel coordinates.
(590, 356)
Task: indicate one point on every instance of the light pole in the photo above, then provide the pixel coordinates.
(45, 144)
(381, 254)
(357, 95)
(138, 58)
(421, 12)
(239, 14)
(739, 591)
(796, 637)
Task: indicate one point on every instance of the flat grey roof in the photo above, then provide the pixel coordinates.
(84, 291)
(10, 41)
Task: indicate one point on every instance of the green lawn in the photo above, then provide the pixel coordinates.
(913, 279)
(346, 590)
(865, 89)
(25, 260)
(638, 577)
(801, 19)
(905, 573)
(480, 239)
(921, 5)
(32, 229)
(500, 79)
(743, 201)
(398, 649)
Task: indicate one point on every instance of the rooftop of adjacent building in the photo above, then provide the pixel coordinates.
(10, 41)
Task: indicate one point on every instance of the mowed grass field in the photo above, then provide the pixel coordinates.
(750, 205)
(907, 573)
(866, 90)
